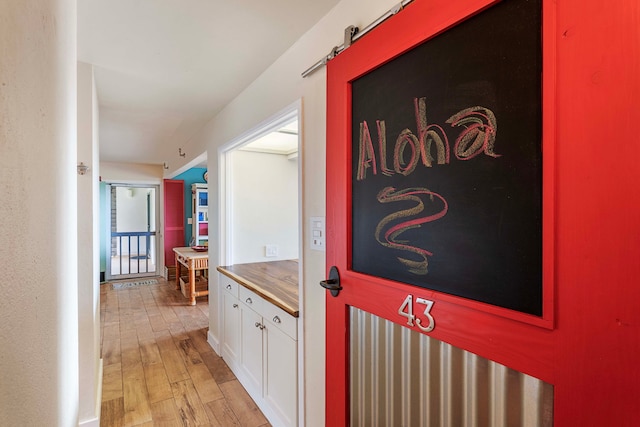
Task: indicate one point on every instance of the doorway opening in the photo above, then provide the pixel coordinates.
(260, 193)
(260, 199)
(132, 242)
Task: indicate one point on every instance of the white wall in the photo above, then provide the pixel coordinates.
(278, 87)
(264, 211)
(131, 173)
(88, 250)
(38, 230)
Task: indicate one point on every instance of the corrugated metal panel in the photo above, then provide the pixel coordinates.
(402, 378)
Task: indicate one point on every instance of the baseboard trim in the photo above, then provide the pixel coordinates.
(214, 343)
(95, 421)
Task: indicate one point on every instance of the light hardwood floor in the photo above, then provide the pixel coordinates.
(159, 369)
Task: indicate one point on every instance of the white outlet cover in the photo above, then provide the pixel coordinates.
(271, 251)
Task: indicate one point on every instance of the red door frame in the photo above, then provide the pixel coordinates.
(517, 340)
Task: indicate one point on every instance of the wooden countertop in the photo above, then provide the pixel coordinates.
(275, 281)
(188, 252)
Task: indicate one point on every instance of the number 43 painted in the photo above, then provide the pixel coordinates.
(406, 310)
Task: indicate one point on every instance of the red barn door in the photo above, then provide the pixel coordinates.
(397, 287)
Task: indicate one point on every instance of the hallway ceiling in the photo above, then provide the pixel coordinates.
(163, 68)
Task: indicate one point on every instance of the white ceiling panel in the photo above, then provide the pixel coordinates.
(163, 68)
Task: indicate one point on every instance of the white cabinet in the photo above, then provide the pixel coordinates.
(230, 323)
(280, 386)
(251, 351)
(200, 218)
(261, 350)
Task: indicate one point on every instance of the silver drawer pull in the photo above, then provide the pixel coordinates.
(259, 325)
(248, 301)
(235, 305)
(229, 287)
(276, 319)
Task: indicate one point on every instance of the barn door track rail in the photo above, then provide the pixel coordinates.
(353, 33)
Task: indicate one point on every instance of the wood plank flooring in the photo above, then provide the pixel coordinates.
(159, 369)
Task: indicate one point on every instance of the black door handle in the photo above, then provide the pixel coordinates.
(333, 282)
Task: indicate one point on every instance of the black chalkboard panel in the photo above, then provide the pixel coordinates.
(447, 162)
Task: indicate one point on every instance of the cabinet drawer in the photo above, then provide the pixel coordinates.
(281, 320)
(252, 300)
(229, 285)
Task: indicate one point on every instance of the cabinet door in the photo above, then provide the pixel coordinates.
(230, 329)
(280, 376)
(251, 350)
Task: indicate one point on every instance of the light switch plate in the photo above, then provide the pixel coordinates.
(318, 240)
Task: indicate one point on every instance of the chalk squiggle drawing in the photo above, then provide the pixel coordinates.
(390, 237)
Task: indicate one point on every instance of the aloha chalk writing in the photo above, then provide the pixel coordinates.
(479, 127)
(431, 145)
